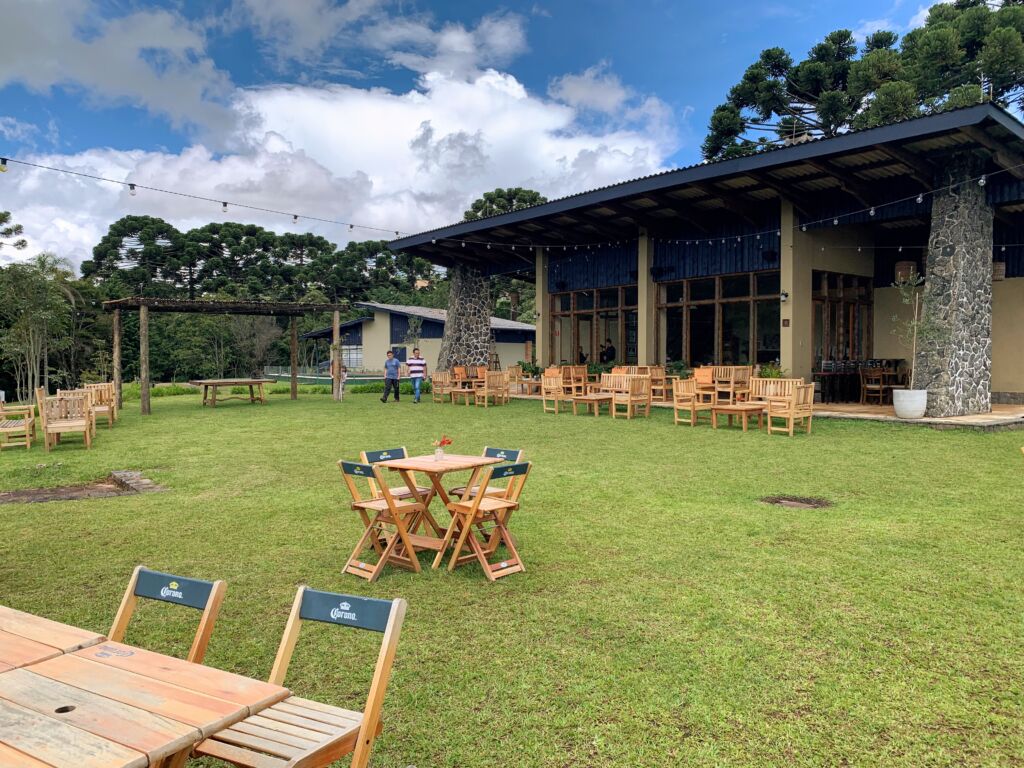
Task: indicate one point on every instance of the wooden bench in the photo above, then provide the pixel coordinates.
(17, 426)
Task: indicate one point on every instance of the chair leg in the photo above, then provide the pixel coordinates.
(460, 543)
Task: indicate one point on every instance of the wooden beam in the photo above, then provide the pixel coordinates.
(117, 358)
(921, 170)
(144, 359)
(295, 357)
(336, 355)
(730, 204)
(801, 203)
(1007, 158)
(852, 187)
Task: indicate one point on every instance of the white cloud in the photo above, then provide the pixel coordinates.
(13, 129)
(151, 58)
(400, 161)
(866, 28)
(595, 88)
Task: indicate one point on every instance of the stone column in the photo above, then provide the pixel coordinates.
(647, 302)
(954, 345)
(467, 332)
(543, 309)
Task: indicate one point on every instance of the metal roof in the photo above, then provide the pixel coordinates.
(872, 163)
(427, 313)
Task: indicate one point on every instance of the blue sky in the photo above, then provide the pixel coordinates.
(393, 114)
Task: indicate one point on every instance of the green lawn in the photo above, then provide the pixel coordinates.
(666, 617)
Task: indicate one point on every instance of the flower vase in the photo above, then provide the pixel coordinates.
(438, 454)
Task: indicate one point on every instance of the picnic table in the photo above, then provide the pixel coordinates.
(110, 705)
(210, 387)
(435, 469)
(26, 639)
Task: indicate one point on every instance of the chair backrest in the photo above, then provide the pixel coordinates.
(614, 382)
(578, 372)
(515, 474)
(205, 596)
(440, 379)
(620, 370)
(657, 373)
(102, 393)
(515, 372)
(69, 404)
(372, 457)
(551, 385)
(367, 613)
(705, 374)
(723, 373)
(505, 454)
(762, 389)
(495, 381)
(41, 405)
(459, 372)
(354, 471)
(742, 373)
(481, 371)
(553, 370)
(639, 387)
(803, 397)
(684, 388)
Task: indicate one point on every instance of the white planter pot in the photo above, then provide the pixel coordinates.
(910, 403)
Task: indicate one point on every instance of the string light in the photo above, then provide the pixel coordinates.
(131, 190)
(872, 211)
(981, 181)
(295, 218)
(920, 198)
(224, 207)
(3, 165)
(835, 222)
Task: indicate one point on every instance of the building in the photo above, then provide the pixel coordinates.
(366, 340)
(786, 254)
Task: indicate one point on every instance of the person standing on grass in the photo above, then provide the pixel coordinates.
(417, 372)
(392, 368)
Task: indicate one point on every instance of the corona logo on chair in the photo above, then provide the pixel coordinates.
(342, 612)
(171, 590)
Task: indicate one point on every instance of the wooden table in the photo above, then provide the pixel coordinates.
(210, 386)
(743, 410)
(435, 469)
(114, 706)
(26, 639)
(592, 401)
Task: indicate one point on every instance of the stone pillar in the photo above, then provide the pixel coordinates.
(796, 315)
(954, 344)
(647, 302)
(467, 331)
(543, 309)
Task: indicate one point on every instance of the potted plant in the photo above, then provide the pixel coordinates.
(772, 370)
(911, 403)
(440, 445)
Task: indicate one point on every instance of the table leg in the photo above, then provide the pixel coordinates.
(213, 390)
(252, 395)
(714, 419)
(410, 482)
(743, 420)
(263, 395)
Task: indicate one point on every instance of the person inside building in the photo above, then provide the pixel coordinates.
(581, 357)
(608, 355)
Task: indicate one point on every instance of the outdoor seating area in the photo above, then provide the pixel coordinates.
(75, 411)
(67, 692)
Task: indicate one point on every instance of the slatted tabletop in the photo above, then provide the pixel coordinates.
(110, 705)
(26, 639)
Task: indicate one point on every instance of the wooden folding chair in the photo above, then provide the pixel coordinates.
(399, 492)
(492, 514)
(299, 733)
(687, 400)
(513, 455)
(17, 426)
(387, 524)
(205, 596)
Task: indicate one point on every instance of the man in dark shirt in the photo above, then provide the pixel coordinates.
(608, 356)
(392, 367)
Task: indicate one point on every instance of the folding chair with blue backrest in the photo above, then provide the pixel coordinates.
(386, 520)
(399, 492)
(205, 596)
(492, 513)
(298, 733)
(505, 454)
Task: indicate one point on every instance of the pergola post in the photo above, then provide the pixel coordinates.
(295, 357)
(144, 358)
(336, 355)
(117, 358)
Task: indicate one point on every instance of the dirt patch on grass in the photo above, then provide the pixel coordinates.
(797, 502)
(118, 483)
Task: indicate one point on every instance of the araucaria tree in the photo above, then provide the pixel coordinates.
(967, 52)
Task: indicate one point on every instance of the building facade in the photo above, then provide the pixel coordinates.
(789, 255)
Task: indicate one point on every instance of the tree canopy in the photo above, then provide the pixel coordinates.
(502, 201)
(966, 52)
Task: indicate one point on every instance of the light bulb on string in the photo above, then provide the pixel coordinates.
(351, 227)
(900, 249)
(433, 242)
(920, 198)
(803, 228)
(295, 218)
(872, 211)
(982, 181)
(1003, 249)
(835, 222)
(131, 190)
(3, 165)
(223, 207)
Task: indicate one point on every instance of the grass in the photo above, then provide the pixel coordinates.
(666, 618)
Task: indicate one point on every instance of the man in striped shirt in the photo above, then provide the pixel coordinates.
(417, 371)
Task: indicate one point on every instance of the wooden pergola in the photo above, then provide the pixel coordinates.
(145, 304)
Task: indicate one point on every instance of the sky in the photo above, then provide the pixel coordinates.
(390, 114)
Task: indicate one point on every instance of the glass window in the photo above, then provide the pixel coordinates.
(608, 297)
(563, 347)
(702, 334)
(702, 290)
(769, 347)
(736, 333)
(608, 333)
(630, 296)
(674, 293)
(631, 323)
(563, 302)
(673, 325)
(584, 299)
(735, 286)
(768, 283)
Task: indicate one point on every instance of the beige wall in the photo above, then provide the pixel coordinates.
(887, 306)
(1008, 335)
(647, 295)
(543, 308)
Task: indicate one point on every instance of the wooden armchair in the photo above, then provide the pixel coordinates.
(659, 383)
(732, 382)
(299, 733)
(91, 410)
(613, 382)
(872, 385)
(637, 396)
(17, 425)
(687, 399)
(704, 377)
(494, 388)
(460, 376)
(552, 391)
(104, 401)
(798, 407)
(763, 390)
(63, 415)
